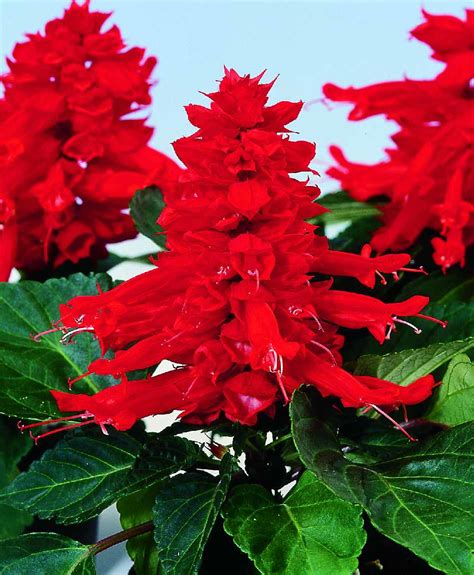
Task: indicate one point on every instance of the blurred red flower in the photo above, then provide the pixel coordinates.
(235, 300)
(70, 158)
(428, 177)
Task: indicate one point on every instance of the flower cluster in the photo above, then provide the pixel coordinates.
(70, 159)
(428, 177)
(239, 301)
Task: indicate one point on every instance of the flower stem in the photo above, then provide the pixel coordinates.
(281, 439)
(104, 544)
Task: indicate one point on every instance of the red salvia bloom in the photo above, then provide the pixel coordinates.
(70, 160)
(428, 177)
(232, 301)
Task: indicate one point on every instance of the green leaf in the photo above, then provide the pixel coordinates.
(361, 217)
(372, 437)
(353, 237)
(313, 532)
(425, 500)
(422, 499)
(78, 478)
(406, 366)
(45, 554)
(109, 262)
(161, 457)
(13, 447)
(29, 369)
(167, 454)
(323, 455)
(344, 208)
(185, 511)
(454, 399)
(14, 521)
(85, 473)
(145, 209)
(134, 510)
(456, 286)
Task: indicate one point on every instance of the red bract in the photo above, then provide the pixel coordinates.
(70, 159)
(428, 177)
(234, 300)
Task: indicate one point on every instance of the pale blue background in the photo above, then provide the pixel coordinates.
(307, 43)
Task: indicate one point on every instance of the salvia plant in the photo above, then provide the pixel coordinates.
(321, 389)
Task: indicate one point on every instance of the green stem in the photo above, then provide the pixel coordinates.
(281, 439)
(251, 446)
(116, 538)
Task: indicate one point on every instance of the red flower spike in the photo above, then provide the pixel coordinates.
(234, 303)
(428, 177)
(69, 160)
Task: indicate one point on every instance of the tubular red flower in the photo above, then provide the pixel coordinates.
(356, 311)
(233, 300)
(70, 160)
(363, 390)
(428, 177)
(122, 404)
(362, 267)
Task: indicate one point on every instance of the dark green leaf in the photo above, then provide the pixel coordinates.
(344, 209)
(12, 448)
(134, 510)
(145, 209)
(422, 499)
(406, 366)
(454, 399)
(106, 264)
(85, 473)
(29, 370)
(352, 238)
(45, 554)
(161, 457)
(456, 286)
(323, 455)
(313, 532)
(374, 438)
(78, 478)
(13, 521)
(425, 500)
(168, 454)
(185, 511)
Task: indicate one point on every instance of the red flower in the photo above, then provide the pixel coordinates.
(70, 160)
(232, 300)
(364, 269)
(428, 177)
